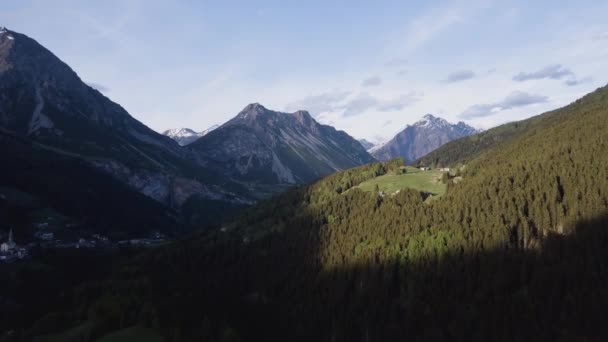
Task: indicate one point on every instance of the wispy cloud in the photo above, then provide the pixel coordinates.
(317, 104)
(364, 102)
(576, 81)
(459, 76)
(554, 72)
(398, 103)
(396, 62)
(601, 36)
(360, 104)
(513, 100)
(372, 81)
(426, 27)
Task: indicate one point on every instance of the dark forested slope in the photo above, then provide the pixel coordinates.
(38, 185)
(514, 251)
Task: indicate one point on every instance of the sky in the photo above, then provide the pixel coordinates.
(366, 67)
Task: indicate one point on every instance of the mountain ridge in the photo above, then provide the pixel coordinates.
(43, 99)
(278, 147)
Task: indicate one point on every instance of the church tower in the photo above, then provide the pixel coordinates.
(11, 239)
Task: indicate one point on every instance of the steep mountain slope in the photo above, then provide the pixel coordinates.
(37, 185)
(421, 138)
(524, 225)
(185, 136)
(264, 146)
(42, 99)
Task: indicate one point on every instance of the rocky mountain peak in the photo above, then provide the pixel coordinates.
(252, 109)
(422, 137)
(304, 118)
(429, 120)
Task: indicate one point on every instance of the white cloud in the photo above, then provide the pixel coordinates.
(399, 103)
(460, 75)
(513, 100)
(372, 81)
(396, 62)
(317, 104)
(554, 72)
(360, 104)
(574, 81)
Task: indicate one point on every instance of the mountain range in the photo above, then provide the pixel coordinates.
(265, 146)
(420, 138)
(256, 154)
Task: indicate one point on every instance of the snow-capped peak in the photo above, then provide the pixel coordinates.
(185, 136)
(3, 30)
(431, 121)
(179, 132)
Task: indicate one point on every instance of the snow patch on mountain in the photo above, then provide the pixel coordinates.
(185, 136)
(39, 120)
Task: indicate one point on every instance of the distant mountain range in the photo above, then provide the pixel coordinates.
(185, 136)
(264, 146)
(421, 138)
(259, 152)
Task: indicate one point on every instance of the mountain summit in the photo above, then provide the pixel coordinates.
(265, 146)
(186, 136)
(421, 138)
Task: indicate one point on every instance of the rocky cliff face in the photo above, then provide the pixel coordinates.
(266, 146)
(421, 138)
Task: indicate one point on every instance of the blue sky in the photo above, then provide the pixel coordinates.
(367, 67)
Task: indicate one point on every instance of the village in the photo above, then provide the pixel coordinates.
(12, 251)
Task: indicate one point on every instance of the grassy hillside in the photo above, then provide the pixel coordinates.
(513, 251)
(425, 181)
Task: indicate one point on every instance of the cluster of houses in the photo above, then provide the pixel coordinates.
(11, 251)
(442, 169)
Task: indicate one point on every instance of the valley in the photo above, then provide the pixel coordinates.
(274, 223)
